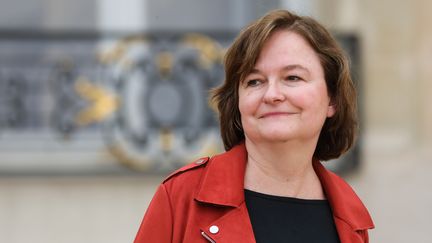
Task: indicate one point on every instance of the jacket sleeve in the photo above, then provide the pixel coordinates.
(157, 223)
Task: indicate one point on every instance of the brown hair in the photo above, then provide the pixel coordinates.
(339, 131)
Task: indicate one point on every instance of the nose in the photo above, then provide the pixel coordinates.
(273, 93)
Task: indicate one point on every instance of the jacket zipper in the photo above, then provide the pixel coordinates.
(207, 237)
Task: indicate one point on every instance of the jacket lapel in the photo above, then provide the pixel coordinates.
(346, 233)
(223, 180)
(223, 185)
(350, 215)
(234, 226)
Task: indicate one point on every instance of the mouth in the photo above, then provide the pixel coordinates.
(276, 114)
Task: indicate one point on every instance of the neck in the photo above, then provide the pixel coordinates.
(283, 169)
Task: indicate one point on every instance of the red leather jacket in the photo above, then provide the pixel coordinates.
(204, 202)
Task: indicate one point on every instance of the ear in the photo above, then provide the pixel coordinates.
(331, 110)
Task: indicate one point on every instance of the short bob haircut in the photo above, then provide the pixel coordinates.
(339, 132)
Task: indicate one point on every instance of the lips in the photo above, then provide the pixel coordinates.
(276, 114)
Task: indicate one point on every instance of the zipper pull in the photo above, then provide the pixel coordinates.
(207, 237)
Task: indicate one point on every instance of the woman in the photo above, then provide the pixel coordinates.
(287, 103)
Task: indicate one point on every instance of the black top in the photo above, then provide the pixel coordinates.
(289, 220)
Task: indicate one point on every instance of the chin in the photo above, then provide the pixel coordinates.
(277, 137)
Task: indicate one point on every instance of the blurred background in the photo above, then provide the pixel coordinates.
(101, 99)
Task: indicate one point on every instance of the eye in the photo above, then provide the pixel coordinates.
(253, 82)
(293, 78)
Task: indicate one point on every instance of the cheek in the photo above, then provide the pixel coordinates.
(241, 103)
(248, 102)
(311, 98)
(304, 98)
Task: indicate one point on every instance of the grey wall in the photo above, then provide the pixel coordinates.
(130, 15)
(47, 14)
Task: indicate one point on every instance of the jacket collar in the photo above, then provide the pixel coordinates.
(223, 181)
(345, 203)
(223, 184)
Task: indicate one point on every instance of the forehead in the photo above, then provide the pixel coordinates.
(285, 48)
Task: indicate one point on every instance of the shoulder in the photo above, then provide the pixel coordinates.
(190, 173)
(182, 184)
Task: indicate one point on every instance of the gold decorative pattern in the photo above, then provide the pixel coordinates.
(102, 102)
(210, 51)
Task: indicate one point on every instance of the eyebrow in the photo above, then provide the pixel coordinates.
(285, 68)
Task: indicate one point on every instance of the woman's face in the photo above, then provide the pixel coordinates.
(285, 96)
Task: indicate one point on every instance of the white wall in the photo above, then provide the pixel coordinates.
(73, 209)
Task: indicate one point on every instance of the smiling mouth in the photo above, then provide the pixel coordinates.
(276, 114)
